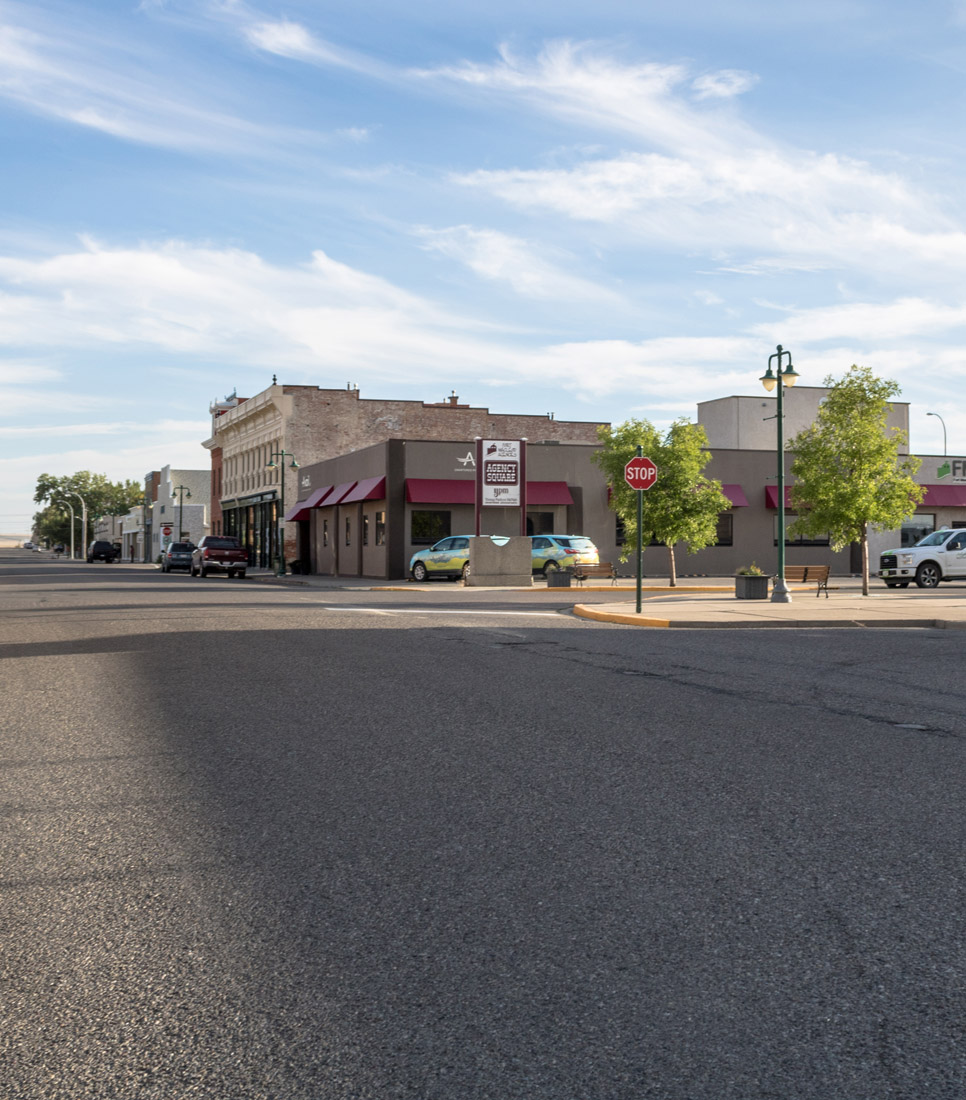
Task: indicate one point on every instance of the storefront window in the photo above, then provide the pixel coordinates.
(365, 530)
(725, 532)
(916, 528)
(348, 531)
(540, 523)
(325, 532)
(429, 527)
(792, 540)
(380, 528)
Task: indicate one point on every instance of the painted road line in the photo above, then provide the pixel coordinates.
(428, 611)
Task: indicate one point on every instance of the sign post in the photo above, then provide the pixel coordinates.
(640, 474)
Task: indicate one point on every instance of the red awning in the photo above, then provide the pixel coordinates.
(736, 495)
(298, 511)
(431, 490)
(771, 496)
(548, 492)
(944, 496)
(339, 493)
(315, 500)
(370, 488)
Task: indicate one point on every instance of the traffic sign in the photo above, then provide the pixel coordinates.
(640, 473)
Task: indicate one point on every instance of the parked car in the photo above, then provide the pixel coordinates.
(940, 556)
(450, 557)
(219, 554)
(177, 556)
(553, 552)
(102, 551)
(28, 545)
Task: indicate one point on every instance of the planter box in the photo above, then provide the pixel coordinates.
(751, 588)
(560, 578)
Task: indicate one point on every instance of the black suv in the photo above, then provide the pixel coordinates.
(102, 551)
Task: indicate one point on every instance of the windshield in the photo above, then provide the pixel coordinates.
(222, 542)
(937, 538)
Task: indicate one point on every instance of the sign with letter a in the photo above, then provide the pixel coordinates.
(500, 477)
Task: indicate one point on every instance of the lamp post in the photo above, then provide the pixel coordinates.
(271, 465)
(770, 379)
(83, 522)
(943, 422)
(182, 492)
(71, 507)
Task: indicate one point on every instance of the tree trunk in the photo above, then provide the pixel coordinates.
(673, 574)
(865, 559)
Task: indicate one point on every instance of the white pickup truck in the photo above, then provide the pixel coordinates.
(940, 556)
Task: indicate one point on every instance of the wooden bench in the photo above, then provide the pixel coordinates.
(805, 573)
(582, 573)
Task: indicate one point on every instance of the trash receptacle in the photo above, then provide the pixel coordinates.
(559, 578)
(295, 567)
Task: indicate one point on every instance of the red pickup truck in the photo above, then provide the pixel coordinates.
(219, 554)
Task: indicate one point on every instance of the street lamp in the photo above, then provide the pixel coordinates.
(271, 465)
(71, 507)
(182, 492)
(770, 379)
(83, 522)
(943, 422)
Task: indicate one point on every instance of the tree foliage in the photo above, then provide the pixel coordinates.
(849, 474)
(102, 497)
(682, 505)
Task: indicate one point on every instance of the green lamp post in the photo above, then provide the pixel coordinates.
(271, 465)
(770, 379)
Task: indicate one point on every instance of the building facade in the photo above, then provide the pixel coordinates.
(308, 425)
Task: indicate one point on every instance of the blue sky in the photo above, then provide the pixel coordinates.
(596, 210)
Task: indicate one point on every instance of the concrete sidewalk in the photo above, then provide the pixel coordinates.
(943, 608)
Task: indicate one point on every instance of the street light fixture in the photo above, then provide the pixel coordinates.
(182, 492)
(271, 465)
(770, 379)
(73, 493)
(943, 422)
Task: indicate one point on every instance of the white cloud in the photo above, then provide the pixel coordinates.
(723, 84)
(500, 257)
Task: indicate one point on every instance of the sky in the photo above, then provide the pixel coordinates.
(597, 210)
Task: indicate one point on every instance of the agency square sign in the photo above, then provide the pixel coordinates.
(501, 473)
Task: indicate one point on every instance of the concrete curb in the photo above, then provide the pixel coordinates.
(625, 619)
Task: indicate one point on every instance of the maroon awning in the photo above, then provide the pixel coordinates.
(316, 498)
(771, 496)
(338, 494)
(548, 492)
(432, 490)
(736, 495)
(944, 496)
(370, 488)
(298, 511)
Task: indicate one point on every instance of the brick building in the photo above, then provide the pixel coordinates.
(311, 425)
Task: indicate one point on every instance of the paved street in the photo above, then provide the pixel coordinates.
(271, 842)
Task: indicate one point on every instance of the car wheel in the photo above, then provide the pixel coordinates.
(240, 574)
(551, 567)
(928, 575)
(419, 572)
(465, 572)
(204, 571)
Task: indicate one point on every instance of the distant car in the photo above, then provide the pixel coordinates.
(219, 554)
(550, 553)
(101, 551)
(450, 557)
(177, 556)
(28, 545)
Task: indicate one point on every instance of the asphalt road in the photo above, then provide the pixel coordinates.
(265, 842)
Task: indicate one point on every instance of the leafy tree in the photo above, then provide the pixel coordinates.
(682, 505)
(849, 474)
(103, 498)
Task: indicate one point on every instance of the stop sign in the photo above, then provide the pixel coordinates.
(640, 473)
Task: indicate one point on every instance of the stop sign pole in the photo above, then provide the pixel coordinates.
(640, 474)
